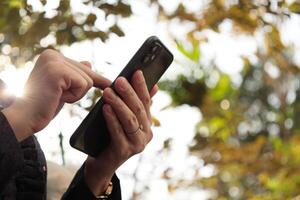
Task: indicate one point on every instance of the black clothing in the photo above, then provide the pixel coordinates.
(23, 171)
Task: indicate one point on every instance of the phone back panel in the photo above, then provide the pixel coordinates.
(153, 58)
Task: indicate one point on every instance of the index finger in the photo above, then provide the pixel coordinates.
(98, 80)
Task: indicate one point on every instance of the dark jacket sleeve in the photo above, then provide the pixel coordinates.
(78, 189)
(11, 156)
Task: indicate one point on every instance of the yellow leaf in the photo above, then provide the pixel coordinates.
(155, 121)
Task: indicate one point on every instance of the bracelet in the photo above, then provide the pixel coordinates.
(108, 191)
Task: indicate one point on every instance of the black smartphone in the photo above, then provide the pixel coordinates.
(153, 58)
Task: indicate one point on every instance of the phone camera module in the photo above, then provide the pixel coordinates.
(146, 58)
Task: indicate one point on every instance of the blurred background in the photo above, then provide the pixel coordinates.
(227, 116)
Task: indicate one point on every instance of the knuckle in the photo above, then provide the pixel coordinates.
(118, 130)
(48, 53)
(132, 121)
(49, 59)
(146, 99)
(139, 109)
(140, 147)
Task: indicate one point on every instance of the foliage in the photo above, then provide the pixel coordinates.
(250, 130)
(26, 29)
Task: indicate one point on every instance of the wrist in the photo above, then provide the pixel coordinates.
(98, 173)
(18, 121)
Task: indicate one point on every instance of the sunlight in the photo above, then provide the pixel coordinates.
(16, 90)
(15, 79)
(15, 84)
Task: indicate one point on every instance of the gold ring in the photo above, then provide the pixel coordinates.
(136, 131)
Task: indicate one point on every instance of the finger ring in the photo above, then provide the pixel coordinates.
(136, 131)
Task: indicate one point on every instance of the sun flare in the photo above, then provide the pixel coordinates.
(15, 80)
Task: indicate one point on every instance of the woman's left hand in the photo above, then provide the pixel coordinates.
(128, 118)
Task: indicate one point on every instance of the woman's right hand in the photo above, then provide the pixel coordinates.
(54, 80)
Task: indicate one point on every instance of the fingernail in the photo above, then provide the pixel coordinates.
(140, 76)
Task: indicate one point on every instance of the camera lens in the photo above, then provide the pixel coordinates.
(154, 49)
(153, 57)
(146, 59)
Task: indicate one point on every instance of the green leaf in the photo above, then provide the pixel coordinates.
(16, 3)
(193, 54)
(222, 88)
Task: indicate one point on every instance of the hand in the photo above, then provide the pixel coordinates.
(54, 80)
(129, 122)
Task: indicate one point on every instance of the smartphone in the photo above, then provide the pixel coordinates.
(153, 58)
